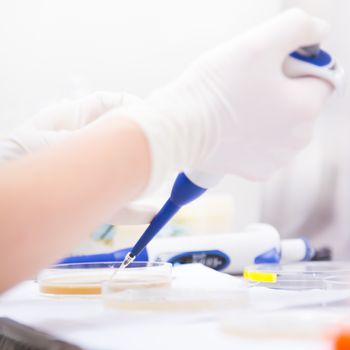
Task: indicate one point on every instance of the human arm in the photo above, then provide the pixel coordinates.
(51, 199)
(53, 125)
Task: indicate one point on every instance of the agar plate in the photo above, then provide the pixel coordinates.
(87, 278)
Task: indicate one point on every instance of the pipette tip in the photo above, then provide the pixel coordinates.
(127, 261)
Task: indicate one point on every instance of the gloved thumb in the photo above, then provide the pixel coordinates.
(292, 29)
(23, 142)
(75, 114)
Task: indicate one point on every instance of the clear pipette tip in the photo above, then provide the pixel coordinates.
(127, 261)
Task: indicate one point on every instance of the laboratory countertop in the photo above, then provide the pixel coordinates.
(89, 324)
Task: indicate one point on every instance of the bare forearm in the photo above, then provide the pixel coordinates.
(50, 201)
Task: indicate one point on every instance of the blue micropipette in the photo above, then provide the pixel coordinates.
(183, 192)
(307, 61)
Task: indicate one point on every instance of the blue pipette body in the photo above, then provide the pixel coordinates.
(183, 192)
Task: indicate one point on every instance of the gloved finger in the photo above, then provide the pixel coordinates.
(301, 135)
(71, 115)
(23, 142)
(94, 106)
(292, 29)
(10, 150)
(56, 117)
(133, 214)
(309, 94)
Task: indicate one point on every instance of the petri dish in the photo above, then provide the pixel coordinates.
(173, 299)
(338, 283)
(296, 276)
(82, 279)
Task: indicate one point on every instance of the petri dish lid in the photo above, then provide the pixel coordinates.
(338, 281)
(82, 279)
(174, 299)
(295, 276)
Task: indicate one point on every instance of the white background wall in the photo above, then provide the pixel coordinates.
(54, 49)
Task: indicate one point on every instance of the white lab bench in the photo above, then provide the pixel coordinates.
(87, 323)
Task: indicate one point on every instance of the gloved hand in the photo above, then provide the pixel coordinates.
(234, 110)
(55, 124)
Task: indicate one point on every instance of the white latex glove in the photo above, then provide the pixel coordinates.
(234, 110)
(55, 124)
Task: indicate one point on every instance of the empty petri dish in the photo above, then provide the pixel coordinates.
(296, 276)
(174, 299)
(87, 278)
(338, 281)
